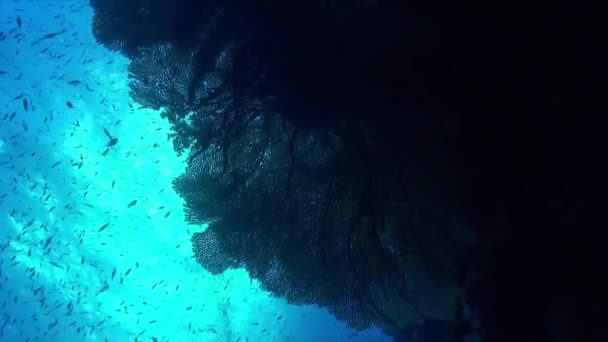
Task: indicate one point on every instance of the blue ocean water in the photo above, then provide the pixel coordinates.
(93, 243)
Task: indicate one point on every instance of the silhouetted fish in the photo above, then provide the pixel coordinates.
(113, 141)
(103, 227)
(47, 36)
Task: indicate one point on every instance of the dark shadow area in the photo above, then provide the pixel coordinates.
(407, 166)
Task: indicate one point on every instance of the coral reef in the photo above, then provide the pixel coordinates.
(382, 160)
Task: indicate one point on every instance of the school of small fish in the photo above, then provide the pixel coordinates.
(93, 244)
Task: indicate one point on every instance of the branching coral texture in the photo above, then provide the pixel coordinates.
(308, 204)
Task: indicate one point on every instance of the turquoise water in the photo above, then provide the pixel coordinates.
(80, 260)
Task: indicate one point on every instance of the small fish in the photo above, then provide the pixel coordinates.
(105, 287)
(133, 202)
(51, 35)
(101, 229)
(74, 82)
(127, 273)
(113, 273)
(19, 22)
(113, 183)
(25, 104)
(113, 141)
(48, 242)
(47, 36)
(69, 104)
(167, 214)
(54, 165)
